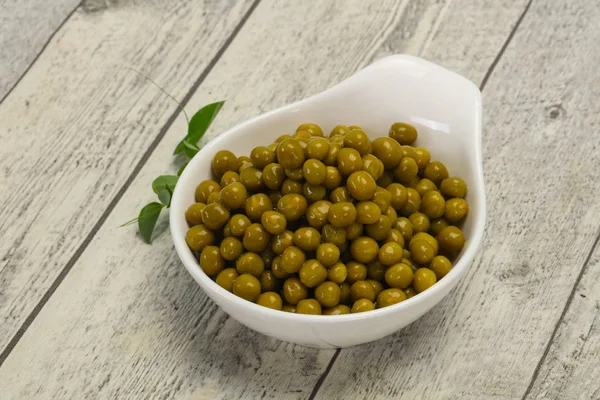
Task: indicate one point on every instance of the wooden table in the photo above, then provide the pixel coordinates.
(89, 311)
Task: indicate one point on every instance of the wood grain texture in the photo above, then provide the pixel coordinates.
(128, 320)
(79, 121)
(541, 166)
(571, 369)
(25, 28)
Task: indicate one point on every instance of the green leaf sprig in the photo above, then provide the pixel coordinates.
(197, 126)
(164, 185)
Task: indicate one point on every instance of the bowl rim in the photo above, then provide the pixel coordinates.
(447, 283)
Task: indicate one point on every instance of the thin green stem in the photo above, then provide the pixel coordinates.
(162, 90)
(133, 221)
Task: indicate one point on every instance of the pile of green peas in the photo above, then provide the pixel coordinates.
(328, 225)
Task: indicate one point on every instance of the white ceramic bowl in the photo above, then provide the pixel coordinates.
(445, 108)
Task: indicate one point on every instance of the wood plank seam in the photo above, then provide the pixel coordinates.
(323, 376)
(481, 87)
(69, 265)
(562, 317)
(58, 28)
(503, 49)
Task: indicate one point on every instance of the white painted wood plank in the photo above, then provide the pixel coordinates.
(79, 121)
(25, 27)
(541, 168)
(571, 369)
(128, 320)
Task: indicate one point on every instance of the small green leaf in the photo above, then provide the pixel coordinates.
(165, 197)
(190, 148)
(147, 220)
(199, 124)
(181, 169)
(163, 181)
(201, 121)
(166, 194)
